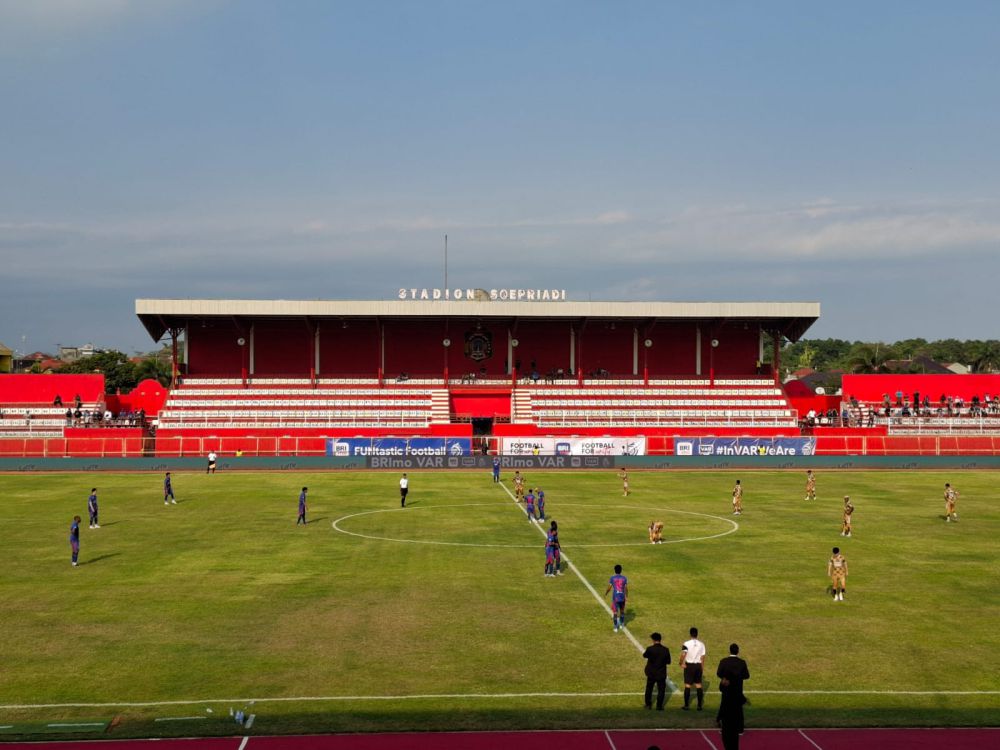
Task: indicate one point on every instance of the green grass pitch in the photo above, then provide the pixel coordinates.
(438, 616)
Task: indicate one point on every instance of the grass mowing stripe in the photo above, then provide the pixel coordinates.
(576, 571)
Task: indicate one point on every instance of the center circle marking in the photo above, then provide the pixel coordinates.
(337, 527)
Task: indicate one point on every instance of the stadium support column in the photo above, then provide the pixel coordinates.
(313, 350)
(381, 352)
(173, 357)
(776, 359)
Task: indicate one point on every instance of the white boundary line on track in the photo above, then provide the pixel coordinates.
(462, 696)
(610, 741)
(336, 526)
(705, 737)
(809, 740)
(243, 744)
(576, 571)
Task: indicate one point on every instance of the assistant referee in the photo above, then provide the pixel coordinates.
(693, 660)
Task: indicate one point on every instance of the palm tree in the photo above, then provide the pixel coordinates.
(984, 356)
(154, 368)
(870, 358)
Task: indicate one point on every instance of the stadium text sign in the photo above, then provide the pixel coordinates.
(573, 446)
(355, 447)
(743, 446)
(476, 295)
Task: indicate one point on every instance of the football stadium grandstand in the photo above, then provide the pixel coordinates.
(279, 377)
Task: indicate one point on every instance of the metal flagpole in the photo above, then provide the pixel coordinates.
(446, 261)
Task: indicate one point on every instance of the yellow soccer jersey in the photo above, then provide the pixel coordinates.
(837, 565)
(738, 492)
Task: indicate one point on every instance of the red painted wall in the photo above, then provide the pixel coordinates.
(148, 395)
(546, 342)
(415, 348)
(281, 348)
(42, 389)
(482, 404)
(736, 353)
(871, 387)
(212, 349)
(672, 352)
(607, 348)
(351, 351)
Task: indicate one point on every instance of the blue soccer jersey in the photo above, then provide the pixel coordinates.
(618, 585)
(302, 502)
(92, 503)
(74, 532)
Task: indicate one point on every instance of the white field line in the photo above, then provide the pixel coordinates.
(705, 737)
(337, 527)
(461, 696)
(576, 571)
(809, 740)
(78, 724)
(181, 718)
(610, 741)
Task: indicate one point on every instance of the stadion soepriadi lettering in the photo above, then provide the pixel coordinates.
(482, 295)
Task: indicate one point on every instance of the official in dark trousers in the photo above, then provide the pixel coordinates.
(657, 658)
(732, 672)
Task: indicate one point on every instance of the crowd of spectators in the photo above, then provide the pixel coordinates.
(96, 418)
(900, 406)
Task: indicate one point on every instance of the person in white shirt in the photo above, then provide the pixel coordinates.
(212, 458)
(404, 487)
(692, 661)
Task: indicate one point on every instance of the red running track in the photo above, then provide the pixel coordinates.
(667, 739)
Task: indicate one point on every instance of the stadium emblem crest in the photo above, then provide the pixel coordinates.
(478, 345)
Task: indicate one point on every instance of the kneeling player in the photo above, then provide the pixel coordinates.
(836, 568)
(656, 532)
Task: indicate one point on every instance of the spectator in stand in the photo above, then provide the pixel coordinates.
(108, 416)
(871, 417)
(57, 401)
(899, 398)
(916, 400)
(927, 402)
(78, 401)
(69, 417)
(77, 415)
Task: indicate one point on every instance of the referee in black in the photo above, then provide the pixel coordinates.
(657, 658)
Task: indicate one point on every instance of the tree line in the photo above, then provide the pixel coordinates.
(865, 357)
(120, 372)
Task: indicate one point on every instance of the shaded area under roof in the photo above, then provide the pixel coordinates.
(791, 319)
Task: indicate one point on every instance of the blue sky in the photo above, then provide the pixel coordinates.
(845, 153)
